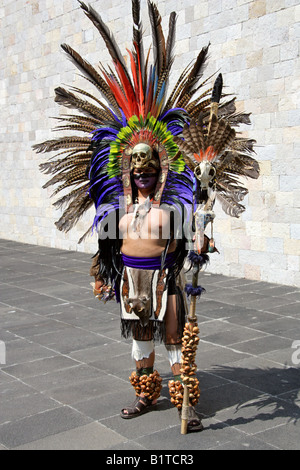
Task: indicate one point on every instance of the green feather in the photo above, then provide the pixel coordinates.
(158, 132)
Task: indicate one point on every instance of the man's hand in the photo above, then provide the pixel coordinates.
(102, 291)
(98, 285)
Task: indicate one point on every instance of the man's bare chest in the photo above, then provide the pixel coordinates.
(153, 225)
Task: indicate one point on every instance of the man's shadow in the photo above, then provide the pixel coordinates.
(237, 395)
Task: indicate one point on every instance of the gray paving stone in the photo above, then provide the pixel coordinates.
(127, 446)
(260, 414)
(30, 404)
(245, 442)
(87, 390)
(212, 307)
(69, 339)
(232, 335)
(39, 366)
(11, 317)
(291, 309)
(293, 296)
(150, 423)
(292, 397)
(274, 381)
(35, 303)
(281, 356)
(40, 425)
(107, 404)
(90, 319)
(214, 434)
(251, 317)
(63, 378)
(7, 336)
(9, 292)
(41, 327)
(77, 278)
(92, 436)
(5, 378)
(42, 284)
(280, 327)
(229, 395)
(213, 356)
(23, 351)
(262, 345)
(98, 355)
(10, 275)
(247, 368)
(286, 436)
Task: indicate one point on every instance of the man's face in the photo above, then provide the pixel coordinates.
(145, 178)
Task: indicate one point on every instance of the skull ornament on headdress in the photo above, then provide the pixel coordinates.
(143, 157)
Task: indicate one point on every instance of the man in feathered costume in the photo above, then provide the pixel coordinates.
(152, 165)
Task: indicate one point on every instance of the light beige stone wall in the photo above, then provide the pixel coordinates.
(255, 44)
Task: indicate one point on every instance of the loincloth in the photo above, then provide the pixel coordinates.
(147, 287)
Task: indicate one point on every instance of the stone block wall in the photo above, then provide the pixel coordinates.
(254, 43)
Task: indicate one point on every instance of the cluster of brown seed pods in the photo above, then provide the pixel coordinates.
(176, 393)
(149, 385)
(188, 368)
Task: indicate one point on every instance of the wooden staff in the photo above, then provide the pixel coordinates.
(190, 330)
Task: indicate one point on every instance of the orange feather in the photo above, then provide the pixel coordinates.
(210, 153)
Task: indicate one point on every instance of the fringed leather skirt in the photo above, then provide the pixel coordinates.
(144, 290)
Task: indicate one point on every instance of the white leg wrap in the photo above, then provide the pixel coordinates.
(142, 349)
(174, 353)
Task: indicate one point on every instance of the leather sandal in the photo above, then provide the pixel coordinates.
(194, 422)
(140, 406)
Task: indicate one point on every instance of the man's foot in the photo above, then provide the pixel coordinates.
(140, 406)
(194, 422)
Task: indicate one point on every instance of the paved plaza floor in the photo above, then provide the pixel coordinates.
(65, 376)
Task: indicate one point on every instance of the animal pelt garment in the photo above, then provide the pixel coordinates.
(144, 296)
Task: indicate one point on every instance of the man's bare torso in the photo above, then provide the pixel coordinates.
(150, 238)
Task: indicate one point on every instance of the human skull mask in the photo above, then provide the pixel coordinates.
(142, 157)
(205, 172)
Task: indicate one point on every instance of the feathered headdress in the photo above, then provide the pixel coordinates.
(134, 105)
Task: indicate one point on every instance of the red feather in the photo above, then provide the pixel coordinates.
(116, 90)
(131, 107)
(139, 97)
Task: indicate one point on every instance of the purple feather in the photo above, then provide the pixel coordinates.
(124, 121)
(172, 111)
(198, 259)
(193, 291)
(105, 133)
